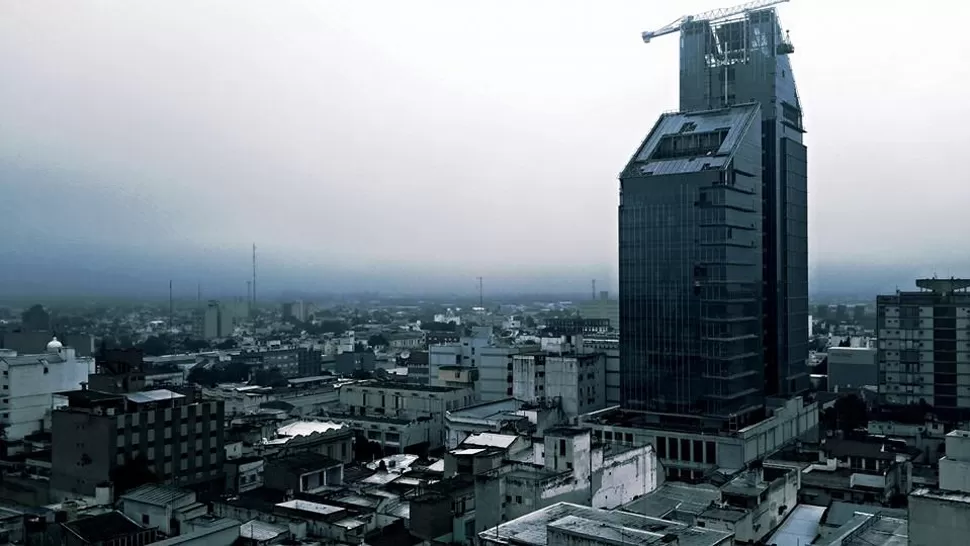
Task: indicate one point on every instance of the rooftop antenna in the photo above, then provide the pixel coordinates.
(171, 307)
(594, 289)
(249, 296)
(481, 293)
(198, 289)
(254, 278)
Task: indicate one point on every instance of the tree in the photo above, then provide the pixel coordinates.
(377, 340)
(269, 378)
(227, 344)
(848, 414)
(530, 322)
(35, 318)
(196, 345)
(156, 346)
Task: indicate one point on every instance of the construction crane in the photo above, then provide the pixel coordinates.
(709, 16)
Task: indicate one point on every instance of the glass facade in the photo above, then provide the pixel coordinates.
(714, 259)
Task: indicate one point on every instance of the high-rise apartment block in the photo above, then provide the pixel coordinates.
(215, 320)
(924, 346)
(713, 233)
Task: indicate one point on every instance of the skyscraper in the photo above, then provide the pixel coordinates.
(713, 232)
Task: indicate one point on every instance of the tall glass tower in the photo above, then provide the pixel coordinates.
(713, 233)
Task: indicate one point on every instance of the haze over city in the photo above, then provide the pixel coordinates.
(414, 146)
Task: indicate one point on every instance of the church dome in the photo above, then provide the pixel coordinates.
(54, 345)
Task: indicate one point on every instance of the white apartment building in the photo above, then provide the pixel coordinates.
(29, 383)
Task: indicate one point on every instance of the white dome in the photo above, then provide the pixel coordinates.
(54, 345)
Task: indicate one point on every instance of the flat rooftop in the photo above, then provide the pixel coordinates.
(393, 385)
(490, 411)
(532, 529)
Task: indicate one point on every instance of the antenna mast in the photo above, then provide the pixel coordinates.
(254, 278)
(171, 307)
(481, 293)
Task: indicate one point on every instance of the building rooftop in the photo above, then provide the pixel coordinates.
(158, 495)
(489, 411)
(675, 497)
(490, 439)
(870, 530)
(104, 527)
(393, 385)
(725, 128)
(260, 531)
(159, 395)
(307, 428)
(532, 529)
(938, 494)
(301, 463)
(310, 507)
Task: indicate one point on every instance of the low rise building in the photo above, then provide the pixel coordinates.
(566, 466)
(163, 507)
(244, 474)
(29, 384)
(327, 438)
(689, 453)
(750, 506)
(303, 473)
(400, 415)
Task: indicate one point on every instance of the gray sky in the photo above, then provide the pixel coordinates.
(441, 140)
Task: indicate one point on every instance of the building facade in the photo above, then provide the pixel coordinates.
(713, 233)
(924, 346)
(29, 383)
(176, 439)
(691, 268)
(852, 367)
(574, 382)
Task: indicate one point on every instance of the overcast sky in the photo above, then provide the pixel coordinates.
(438, 140)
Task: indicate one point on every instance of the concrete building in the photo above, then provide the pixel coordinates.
(180, 441)
(214, 321)
(687, 453)
(303, 473)
(573, 524)
(163, 507)
(750, 506)
(566, 467)
(955, 465)
(29, 383)
(509, 416)
(400, 416)
(574, 382)
(609, 347)
(290, 362)
(31, 342)
(601, 308)
(295, 310)
(852, 367)
(406, 340)
(713, 226)
(924, 346)
(326, 438)
(493, 373)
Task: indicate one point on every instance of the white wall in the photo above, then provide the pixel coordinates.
(625, 477)
(27, 389)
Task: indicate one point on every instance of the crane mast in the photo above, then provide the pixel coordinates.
(712, 15)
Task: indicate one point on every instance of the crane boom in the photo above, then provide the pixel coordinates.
(709, 16)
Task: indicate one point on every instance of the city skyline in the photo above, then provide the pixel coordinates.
(109, 156)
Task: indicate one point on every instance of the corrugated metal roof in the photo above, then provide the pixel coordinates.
(158, 495)
(153, 396)
(260, 530)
